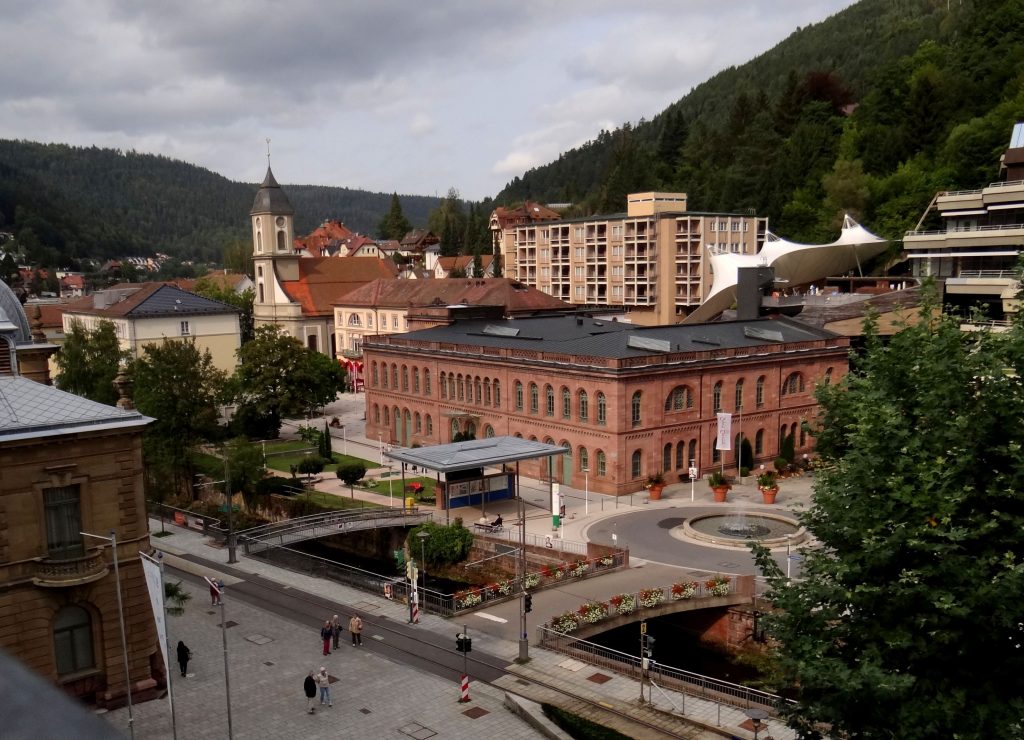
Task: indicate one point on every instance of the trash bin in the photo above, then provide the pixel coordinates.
(410, 502)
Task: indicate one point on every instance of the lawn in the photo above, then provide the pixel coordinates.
(296, 450)
(331, 501)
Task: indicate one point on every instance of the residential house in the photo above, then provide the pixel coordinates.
(464, 264)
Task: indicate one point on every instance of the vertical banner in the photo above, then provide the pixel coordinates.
(155, 585)
(724, 431)
(556, 506)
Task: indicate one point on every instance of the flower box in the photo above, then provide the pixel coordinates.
(623, 603)
(718, 586)
(684, 590)
(651, 597)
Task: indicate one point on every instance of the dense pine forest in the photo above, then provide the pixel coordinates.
(65, 203)
(870, 112)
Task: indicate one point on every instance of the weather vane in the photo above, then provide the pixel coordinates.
(268, 151)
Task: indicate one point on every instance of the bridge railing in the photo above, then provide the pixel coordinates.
(267, 535)
(677, 679)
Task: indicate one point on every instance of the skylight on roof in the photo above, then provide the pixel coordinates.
(768, 335)
(649, 343)
(501, 331)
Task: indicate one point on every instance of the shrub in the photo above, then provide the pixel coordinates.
(788, 448)
(445, 545)
(716, 479)
(349, 473)
(780, 464)
(311, 465)
(276, 484)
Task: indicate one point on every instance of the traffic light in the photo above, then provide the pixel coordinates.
(463, 644)
(527, 603)
(648, 646)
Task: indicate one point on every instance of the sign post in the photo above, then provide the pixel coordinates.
(693, 477)
(556, 508)
(724, 442)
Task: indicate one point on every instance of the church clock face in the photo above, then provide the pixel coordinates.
(280, 221)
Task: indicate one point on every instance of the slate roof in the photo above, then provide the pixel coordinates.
(270, 198)
(29, 409)
(324, 280)
(598, 338)
(513, 295)
(151, 300)
(10, 307)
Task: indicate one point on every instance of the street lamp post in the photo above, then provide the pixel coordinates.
(756, 715)
(224, 639)
(423, 535)
(112, 539)
(231, 519)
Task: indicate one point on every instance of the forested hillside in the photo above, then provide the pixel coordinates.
(67, 202)
(868, 112)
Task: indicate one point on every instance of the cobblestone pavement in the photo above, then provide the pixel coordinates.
(269, 657)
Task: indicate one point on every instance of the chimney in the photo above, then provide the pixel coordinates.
(750, 287)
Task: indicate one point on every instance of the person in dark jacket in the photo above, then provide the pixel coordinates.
(327, 634)
(309, 686)
(183, 657)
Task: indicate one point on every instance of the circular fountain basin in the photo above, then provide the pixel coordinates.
(737, 529)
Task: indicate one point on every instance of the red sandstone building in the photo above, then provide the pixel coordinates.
(627, 401)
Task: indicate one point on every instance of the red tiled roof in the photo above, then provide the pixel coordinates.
(529, 212)
(227, 281)
(73, 281)
(323, 235)
(513, 295)
(462, 261)
(323, 280)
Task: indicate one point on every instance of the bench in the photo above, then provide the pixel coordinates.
(488, 528)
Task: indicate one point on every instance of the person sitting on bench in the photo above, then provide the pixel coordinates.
(496, 524)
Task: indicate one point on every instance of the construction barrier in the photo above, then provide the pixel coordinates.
(465, 689)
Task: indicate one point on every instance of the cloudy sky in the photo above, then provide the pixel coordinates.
(413, 96)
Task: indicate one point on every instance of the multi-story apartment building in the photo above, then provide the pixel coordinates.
(651, 260)
(978, 241)
(625, 401)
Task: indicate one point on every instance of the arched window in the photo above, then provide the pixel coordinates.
(394, 377)
(72, 640)
(488, 431)
(471, 429)
(280, 241)
(384, 374)
(759, 442)
(451, 386)
(549, 400)
(828, 376)
(497, 393)
(373, 374)
(680, 398)
(517, 435)
(418, 423)
(602, 464)
(455, 427)
(415, 380)
(566, 403)
(803, 436)
(739, 395)
(759, 396)
(584, 458)
(666, 457)
(478, 396)
(680, 455)
(602, 409)
(794, 384)
(636, 468)
(376, 414)
(430, 424)
(444, 385)
(692, 456)
(716, 397)
(387, 416)
(534, 402)
(405, 379)
(426, 382)
(487, 391)
(519, 396)
(716, 456)
(460, 385)
(584, 406)
(635, 408)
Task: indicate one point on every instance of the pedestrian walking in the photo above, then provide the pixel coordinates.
(324, 682)
(355, 626)
(326, 634)
(214, 593)
(309, 686)
(336, 628)
(184, 655)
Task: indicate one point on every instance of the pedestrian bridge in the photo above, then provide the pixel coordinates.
(284, 533)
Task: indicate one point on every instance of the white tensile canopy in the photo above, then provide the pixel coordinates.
(795, 263)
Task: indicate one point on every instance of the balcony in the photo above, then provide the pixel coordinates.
(65, 573)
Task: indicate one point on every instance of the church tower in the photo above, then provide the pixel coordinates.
(273, 253)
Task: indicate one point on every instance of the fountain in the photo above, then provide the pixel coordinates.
(739, 528)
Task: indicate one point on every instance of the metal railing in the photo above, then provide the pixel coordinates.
(549, 542)
(996, 227)
(677, 679)
(326, 523)
(990, 274)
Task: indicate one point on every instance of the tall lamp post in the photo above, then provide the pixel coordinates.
(112, 539)
(423, 535)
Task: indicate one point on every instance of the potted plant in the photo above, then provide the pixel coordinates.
(655, 485)
(719, 485)
(769, 484)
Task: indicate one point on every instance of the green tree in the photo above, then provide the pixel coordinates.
(349, 473)
(448, 221)
(447, 544)
(278, 377)
(237, 257)
(394, 225)
(906, 623)
(88, 361)
(246, 466)
(175, 598)
(178, 386)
